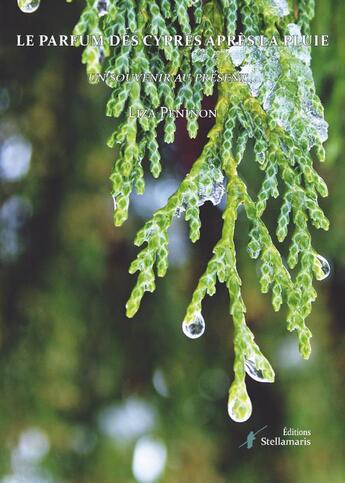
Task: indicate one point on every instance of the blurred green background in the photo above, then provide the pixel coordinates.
(90, 396)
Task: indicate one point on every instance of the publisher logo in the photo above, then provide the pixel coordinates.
(287, 437)
(251, 437)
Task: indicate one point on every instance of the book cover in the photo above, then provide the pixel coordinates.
(171, 241)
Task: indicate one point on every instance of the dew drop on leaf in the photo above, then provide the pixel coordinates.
(28, 6)
(239, 406)
(194, 329)
(255, 373)
(325, 267)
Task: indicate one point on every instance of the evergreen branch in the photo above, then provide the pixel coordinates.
(277, 107)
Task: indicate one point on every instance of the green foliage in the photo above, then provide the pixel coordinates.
(277, 110)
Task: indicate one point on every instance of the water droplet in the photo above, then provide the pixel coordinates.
(102, 7)
(194, 329)
(257, 374)
(199, 55)
(325, 268)
(298, 50)
(28, 6)
(281, 7)
(268, 94)
(114, 202)
(319, 125)
(237, 54)
(239, 405)
(212, 193)
(254, 78)
(217, 194)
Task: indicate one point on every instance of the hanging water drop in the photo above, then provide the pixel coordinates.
(194, 329)
(102, 7)
(237, 54)
(28, 6)
(325, 268)
(239, 404)
(258, 375)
